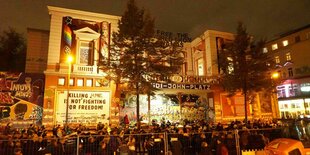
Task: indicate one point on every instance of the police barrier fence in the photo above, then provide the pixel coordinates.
(166, 143)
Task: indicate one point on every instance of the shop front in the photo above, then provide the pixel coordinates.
(294, 108)
(294, 98)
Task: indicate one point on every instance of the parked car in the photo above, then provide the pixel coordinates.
(286, 146)
(297, 141)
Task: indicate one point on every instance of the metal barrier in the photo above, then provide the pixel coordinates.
(236, 141)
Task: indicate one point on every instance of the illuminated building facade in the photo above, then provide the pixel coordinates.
(85, 36)
(201, 60)
(192, 94)
(291, 52)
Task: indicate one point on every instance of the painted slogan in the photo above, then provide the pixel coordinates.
(21, 97)
(83, 107)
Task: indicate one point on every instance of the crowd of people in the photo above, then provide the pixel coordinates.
(186, 138)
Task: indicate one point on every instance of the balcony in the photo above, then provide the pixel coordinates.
(81, 69)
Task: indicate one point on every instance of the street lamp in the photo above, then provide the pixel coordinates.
(275, 75)
(69, 61)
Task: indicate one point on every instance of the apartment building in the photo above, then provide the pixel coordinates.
(291, 52)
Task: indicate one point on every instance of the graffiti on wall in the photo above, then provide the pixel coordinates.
(21, 97)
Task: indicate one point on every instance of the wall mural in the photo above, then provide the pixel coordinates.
(265, 102)
(21, 98)
(165, 106)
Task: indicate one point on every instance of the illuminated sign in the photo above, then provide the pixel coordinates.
(84, 107)
(181, 86)
(192, 79)
(305, 87)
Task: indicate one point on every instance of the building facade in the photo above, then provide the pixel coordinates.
(291, 52)
(75, 92)
(203, 54)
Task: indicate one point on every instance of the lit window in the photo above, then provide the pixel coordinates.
(288, 56)
(85, 52)
(89, 82)
(285, 42)
(80, 82)
(274, 46)
(98, 84)
(71, 82)
(200, 67)
(61, 81)
(230, 67)
(308, 35)
(265, 50)
(277, 59)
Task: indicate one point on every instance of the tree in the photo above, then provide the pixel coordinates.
(244, 66)
(12, 51)
(138, 56)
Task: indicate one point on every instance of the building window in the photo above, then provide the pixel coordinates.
(185, 68)
(97, 84)
(85, 52)
(277, 59)
(80, 82)
(89, 82)
(308, 35)
(274, 46)
(288, 56)
(230, 67)
(297, 39)
(285, 42)
(290, 72)
(265, 50)
(71, 82)
(61, 81)
(200, 67)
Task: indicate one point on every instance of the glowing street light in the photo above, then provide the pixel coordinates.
(69, 61)
(275, 75)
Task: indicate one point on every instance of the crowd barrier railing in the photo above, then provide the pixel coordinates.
(236, 141)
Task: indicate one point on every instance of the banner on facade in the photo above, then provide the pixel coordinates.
(233, 106)
(83, 107)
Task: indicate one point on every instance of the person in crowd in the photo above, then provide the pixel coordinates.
(8, 129)
(221, 148)
(244, 139)
(175, 145)
(90, 145)
(192, 137)
(9, 146)
(205, 149)
(102, 150)
(114, 142)
(131, 145)
(231, 143)
(100, 126)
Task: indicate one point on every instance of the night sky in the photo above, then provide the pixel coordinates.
(263, 18)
